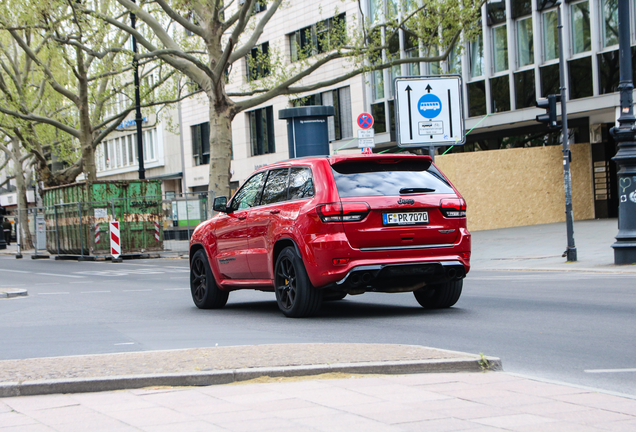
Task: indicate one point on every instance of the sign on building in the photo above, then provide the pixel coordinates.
(429, 111)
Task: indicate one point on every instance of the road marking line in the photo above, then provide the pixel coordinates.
(53, 293)
(15, 271)
(175, 289)
(142, 290)
(60, 275)
(92, 292)
(125, 343)
(610, 370)
(48, 283)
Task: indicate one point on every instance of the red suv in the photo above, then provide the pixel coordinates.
(319, 228)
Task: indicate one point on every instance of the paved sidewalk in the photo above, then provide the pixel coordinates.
(539, 247)
(476, 402)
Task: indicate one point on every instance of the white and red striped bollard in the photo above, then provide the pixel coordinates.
(157, 230)
(97, 238)
(115, 243)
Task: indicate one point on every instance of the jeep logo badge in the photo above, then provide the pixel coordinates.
(406, 201)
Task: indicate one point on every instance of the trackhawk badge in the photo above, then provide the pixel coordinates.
(406, 201)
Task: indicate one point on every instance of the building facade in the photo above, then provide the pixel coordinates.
(513, 62)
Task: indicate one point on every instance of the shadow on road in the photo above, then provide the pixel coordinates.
(345, 309)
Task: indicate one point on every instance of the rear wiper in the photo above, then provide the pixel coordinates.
(415, 190)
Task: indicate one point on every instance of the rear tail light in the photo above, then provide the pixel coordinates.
(454, 207)
(343, 212)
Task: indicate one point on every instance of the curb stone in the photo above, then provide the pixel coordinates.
(12, 292)
(84, 385)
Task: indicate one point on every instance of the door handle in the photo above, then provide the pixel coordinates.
(241, 217)
(274, 212)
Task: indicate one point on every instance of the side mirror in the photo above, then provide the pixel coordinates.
(220, 204)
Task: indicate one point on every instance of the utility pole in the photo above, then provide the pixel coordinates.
(138, 119)
(625, 246)
(570, 252)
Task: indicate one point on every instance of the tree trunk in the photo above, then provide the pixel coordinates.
(23, 215)
(86, 133)
(220, 149)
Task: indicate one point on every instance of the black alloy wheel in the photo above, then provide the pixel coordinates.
(205, 292)
(295, 295)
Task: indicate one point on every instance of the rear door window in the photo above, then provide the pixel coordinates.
(275, 187)
(384, 177)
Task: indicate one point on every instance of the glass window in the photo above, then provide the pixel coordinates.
(301, 183)
(412, 50)
(581, 39)
(496, 11)
(360, 179)
(550, 35)
(414, 68)
(525, 50)
(378, 84)
(476, 52)
(201, 143)
(131, 151)
(580, 78)
(247, 196)
(608, 72)
(379, 117)
(375, 10)
(476, 98)
(520, 8)
(609, 26)
(106, 159)
(455, 61)
(258, 62)
(500, 48)
(550, 80)
(275, 187)
(262, 131)
(500, 94)
(525, 94)
(260, 6)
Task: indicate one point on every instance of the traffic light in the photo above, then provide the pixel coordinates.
(550, 117)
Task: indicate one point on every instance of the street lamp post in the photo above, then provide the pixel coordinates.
(625, 246)
(138, 118)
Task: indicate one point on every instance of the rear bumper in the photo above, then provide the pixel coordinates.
(385, 269)
(399, 277)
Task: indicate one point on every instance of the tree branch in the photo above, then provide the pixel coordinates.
(190, 26)
(258, 31)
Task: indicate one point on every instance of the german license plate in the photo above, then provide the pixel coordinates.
(410, 218)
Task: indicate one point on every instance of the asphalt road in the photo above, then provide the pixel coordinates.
(571, 327)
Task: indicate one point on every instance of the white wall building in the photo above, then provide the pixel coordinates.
(512, 63)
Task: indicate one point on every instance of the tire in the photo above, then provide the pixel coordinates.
(205, 292)
(439, 296)
(295, 295)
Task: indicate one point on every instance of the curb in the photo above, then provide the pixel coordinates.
(85, 385)
(13, 292)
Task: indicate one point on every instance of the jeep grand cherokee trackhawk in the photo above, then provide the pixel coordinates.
(319, 228)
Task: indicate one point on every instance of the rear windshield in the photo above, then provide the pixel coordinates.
(358, 179)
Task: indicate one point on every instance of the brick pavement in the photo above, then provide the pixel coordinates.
(492, 401)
